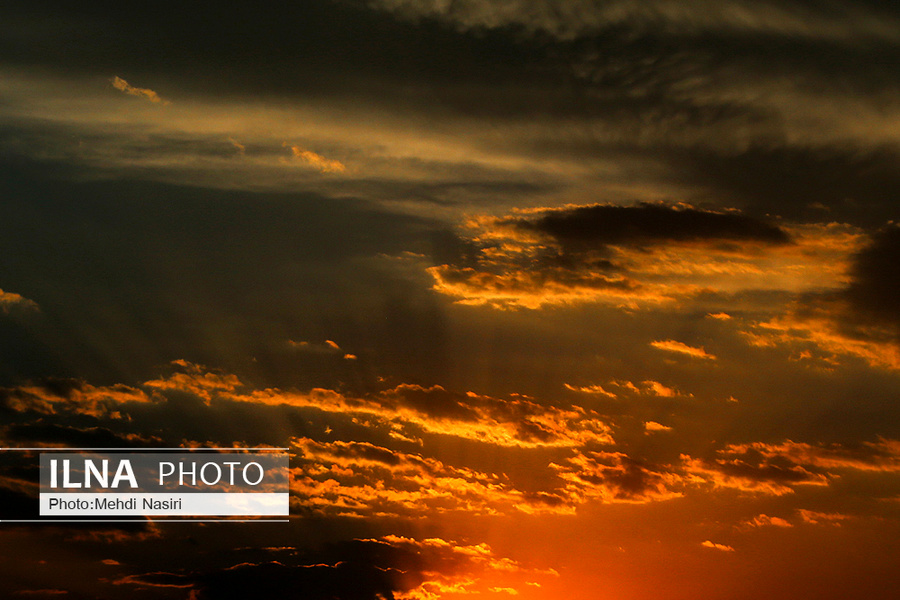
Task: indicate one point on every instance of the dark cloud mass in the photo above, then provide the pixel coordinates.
(599, 225)
(875, 290)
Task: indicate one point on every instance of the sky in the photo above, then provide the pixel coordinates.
(585, 299)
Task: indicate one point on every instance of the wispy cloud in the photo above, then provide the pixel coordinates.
(317, 161)
(682, 348)
(764, 520)
(148, 94)
(577, 18)
(714, 546)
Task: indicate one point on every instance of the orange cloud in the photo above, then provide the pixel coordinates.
(455, 568)
(715, 546)
(197, 380)
(825, 333)
(812, 517)
(241, 148)
(765, 521)
(590, 389)
(613, 477)
(752, 474)
(411, 410)
(659, 389)
(778, 468)
(390, 566)
(362, 479)
(681, 348)
(10, 300)
(74, 397)
(316, 160)
(653, 426)
(124, 86)
(570, 255)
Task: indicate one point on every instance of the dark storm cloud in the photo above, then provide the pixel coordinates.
(845, 183)
(875, 290)
(600, 225)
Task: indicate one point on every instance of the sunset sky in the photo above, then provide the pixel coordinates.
(549, 299)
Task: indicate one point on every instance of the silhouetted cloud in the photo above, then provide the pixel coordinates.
(875, 290)
(366, 569)
(599, 225)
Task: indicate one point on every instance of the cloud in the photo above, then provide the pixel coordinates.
(590, 389)
(653, 427)
(613, 477)
(659, 389)
(10, 301)
(813, 517)
(875, 290)
(390, 567)
(62, 396)
(826, 331)
(573, 19)
(406, 410)
(365, 480)
(715, 546)
(327, 347)
(764, 520)
(855, 320)
(316, 160)
(197, 380)
(54, 435)
(362, 479)
(513, 422)
(682, 348)
(880, 456)
(241, 148)
(644, 256)
(124, 86)
(594, 226)
(645, 388)
(777, 469)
